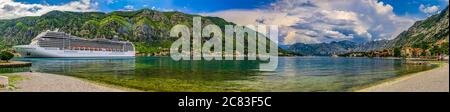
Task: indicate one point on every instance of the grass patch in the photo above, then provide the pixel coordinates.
(12, 80)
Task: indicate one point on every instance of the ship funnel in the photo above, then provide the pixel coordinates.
(115, 38)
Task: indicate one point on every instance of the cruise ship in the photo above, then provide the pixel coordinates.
(54, 44)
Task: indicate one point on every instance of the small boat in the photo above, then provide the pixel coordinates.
(334, 56)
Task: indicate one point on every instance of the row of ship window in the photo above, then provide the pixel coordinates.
(96, 49)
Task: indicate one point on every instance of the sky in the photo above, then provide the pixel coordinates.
(305, 21)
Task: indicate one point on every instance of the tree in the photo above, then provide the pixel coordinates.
(435, 50)
(6, 56)
(2, 44)
(444, 48)
(397, 52)
(425, 46)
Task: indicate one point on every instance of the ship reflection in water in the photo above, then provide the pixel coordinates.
(81, 65)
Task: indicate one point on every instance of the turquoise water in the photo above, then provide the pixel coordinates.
(293, 73)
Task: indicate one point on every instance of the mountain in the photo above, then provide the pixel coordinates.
(432, 31)
(372, 46)
(341, 47)
(429, 37)
(323, 49)
(284, 46)
(148, 29)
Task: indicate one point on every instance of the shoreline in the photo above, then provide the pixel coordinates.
(433, 80)
(13, 64)
(44, 82)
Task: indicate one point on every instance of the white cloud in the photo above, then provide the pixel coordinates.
(10, 9)
(428, 10)
(325, 20)
(261, 16)
(129, 7)
(110, 1)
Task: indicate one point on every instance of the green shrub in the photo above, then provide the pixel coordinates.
(397, 52)
(6, 56)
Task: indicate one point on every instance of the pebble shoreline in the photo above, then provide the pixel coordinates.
(435, 80)
(43, 82)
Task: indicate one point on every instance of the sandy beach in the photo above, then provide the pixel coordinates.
(42, 82)
(435, 80)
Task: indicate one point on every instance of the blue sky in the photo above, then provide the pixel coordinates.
(304, 21)
(410, 7)
(190, 6)
(401, 7)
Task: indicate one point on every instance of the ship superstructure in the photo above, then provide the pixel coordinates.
(54, 44)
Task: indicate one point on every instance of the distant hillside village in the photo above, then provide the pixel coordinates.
(428, 38)
(428, 51)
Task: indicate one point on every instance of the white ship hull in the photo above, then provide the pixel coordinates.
(32, 51)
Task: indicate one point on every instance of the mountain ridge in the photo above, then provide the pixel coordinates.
(148, 29)
(430, 30)
(336, 47)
